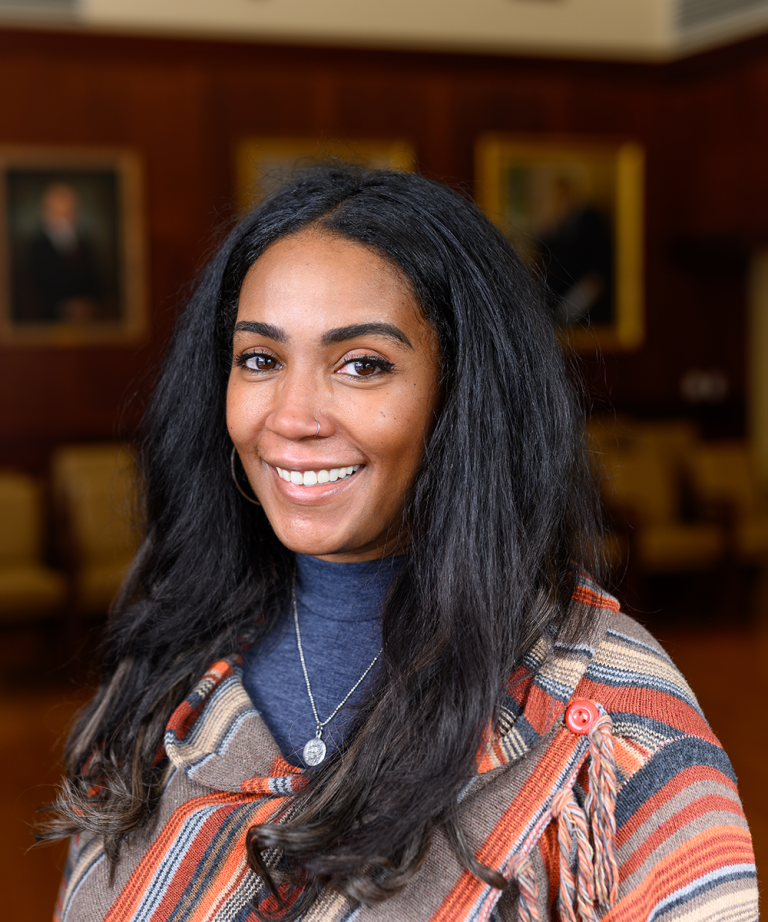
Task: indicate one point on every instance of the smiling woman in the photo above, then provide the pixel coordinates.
(359, 669)
(332, 395)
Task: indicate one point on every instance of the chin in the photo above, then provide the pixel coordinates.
(314, 545)
(343, 549)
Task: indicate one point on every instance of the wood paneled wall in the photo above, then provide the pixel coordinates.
(183, 105)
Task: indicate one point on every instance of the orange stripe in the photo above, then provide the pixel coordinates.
(661, 706)
(226, 882)
(629, 755)
(185, 714)
(541, 709)
(134, 890)
(226, 894)
(678, 784)
(693, 860)
(693, 811)
(541, 782)
(227, 865)
(190, 865)
(278, 769)
(594, 599)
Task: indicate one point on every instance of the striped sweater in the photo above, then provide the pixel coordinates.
(601, 794)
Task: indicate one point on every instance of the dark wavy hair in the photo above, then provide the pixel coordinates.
(501, 509)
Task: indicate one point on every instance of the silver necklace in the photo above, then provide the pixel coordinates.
(315, 749)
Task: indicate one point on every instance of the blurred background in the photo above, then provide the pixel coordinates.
(623, 145)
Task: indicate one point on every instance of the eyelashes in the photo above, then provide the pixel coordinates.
(365, 366)
(242, 360)
(368, 366)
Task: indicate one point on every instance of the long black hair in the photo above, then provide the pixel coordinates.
(501, 509)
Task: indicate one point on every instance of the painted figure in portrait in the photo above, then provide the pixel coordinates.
(63, 240)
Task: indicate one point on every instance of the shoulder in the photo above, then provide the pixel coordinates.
(636, 681)
(648, 699)
(682, 841)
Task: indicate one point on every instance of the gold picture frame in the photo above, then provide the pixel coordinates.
(72, 258)
(574, 207)
(263, 163)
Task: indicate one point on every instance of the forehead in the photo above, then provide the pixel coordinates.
(320, 274)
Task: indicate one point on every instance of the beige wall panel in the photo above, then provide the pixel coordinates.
(602, 27)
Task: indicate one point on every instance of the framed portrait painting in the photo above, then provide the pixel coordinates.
(262, 163)
(71, 247)
(574, 209)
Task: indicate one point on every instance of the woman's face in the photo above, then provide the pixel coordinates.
(328, 332)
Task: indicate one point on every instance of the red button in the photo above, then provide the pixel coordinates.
(580, 716)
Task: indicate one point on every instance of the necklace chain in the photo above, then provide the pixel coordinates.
(322, 723)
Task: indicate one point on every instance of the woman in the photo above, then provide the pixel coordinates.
(357, 671)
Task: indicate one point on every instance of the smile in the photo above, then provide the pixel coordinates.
(312, 478)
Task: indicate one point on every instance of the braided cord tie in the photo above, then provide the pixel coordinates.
(579, 889)
(525, 878)
(600, 807)
(586, 837)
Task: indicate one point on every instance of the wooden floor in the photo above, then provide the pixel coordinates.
(33, 724)
(727, 668)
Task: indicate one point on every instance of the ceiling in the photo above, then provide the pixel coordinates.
(618, 29)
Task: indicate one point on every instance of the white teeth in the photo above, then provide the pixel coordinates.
(311, 478)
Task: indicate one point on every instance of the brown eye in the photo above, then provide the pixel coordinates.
(260, 362)
(366, 366)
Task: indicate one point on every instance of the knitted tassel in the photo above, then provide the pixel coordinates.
(578, 890)
(525, 878)
(600, 807)
(589, 872)
(567, 895)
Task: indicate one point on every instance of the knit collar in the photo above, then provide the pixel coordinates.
(546, 679)
(350, 592)
(219, 740)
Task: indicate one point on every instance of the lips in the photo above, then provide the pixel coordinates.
(315, 478)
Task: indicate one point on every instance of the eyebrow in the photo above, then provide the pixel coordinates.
(261, 329)
(331, 337)
(388, 330)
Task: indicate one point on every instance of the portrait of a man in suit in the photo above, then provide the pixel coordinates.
(63, 238)
(63, 277)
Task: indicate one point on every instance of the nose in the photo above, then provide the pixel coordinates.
(294, 415)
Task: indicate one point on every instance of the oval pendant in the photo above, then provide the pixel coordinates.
(314, 751)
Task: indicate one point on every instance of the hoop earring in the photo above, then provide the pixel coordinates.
(240, 490)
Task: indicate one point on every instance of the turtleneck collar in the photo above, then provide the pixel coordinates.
(350, 592)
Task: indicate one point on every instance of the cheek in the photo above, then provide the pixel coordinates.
(242, 412)
(233, 412)
(401, 433)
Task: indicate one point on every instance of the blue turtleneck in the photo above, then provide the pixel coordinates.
(339, 606)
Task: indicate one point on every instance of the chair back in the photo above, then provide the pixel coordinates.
(94, 491)
(722, 474)
(21, 530)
